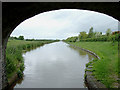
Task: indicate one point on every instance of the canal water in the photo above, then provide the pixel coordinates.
(55, 65)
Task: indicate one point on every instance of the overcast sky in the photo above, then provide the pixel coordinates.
(64, 23)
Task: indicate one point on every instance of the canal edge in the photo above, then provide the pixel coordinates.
(90, 80)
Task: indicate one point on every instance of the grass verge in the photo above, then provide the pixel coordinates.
(106, 69)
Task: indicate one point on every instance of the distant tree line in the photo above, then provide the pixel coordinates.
(95, 36)
(22, 38)
(17, 38)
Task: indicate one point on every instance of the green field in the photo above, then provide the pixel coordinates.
(106, 69)
(14, 59)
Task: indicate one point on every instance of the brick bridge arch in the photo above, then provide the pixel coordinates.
(15, 13)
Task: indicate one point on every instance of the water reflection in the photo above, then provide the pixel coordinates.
(55, 65)
(82, 53)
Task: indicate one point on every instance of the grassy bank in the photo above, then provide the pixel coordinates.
(14, 59)
(106, 69)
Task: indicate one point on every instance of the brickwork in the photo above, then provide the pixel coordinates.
(0, 67)
(2, 63)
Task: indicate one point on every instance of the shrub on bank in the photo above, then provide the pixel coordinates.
(19, 74)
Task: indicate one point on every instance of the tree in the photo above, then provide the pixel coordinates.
(91, 33)
(98, 34)
(12, 38)
(21, 38)
(108, 32)
(15, 38)
(82, 35)
(72, 39)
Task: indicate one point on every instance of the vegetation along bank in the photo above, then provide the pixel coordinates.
(106, 69)
(14, 59)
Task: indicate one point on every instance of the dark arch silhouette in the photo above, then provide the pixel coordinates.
(15, 13)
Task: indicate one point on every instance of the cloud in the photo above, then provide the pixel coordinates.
(60, 24)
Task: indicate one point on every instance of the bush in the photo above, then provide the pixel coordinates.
(22, 67)
(10, 67)
(19, 74)
(28, 46)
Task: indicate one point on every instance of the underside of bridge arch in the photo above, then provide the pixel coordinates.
(13, 13)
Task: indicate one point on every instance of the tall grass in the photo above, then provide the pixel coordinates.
(105, 69)
(14, 59)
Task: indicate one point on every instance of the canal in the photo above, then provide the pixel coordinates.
(55, 65)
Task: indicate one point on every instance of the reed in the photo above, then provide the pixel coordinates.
(14, 59)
